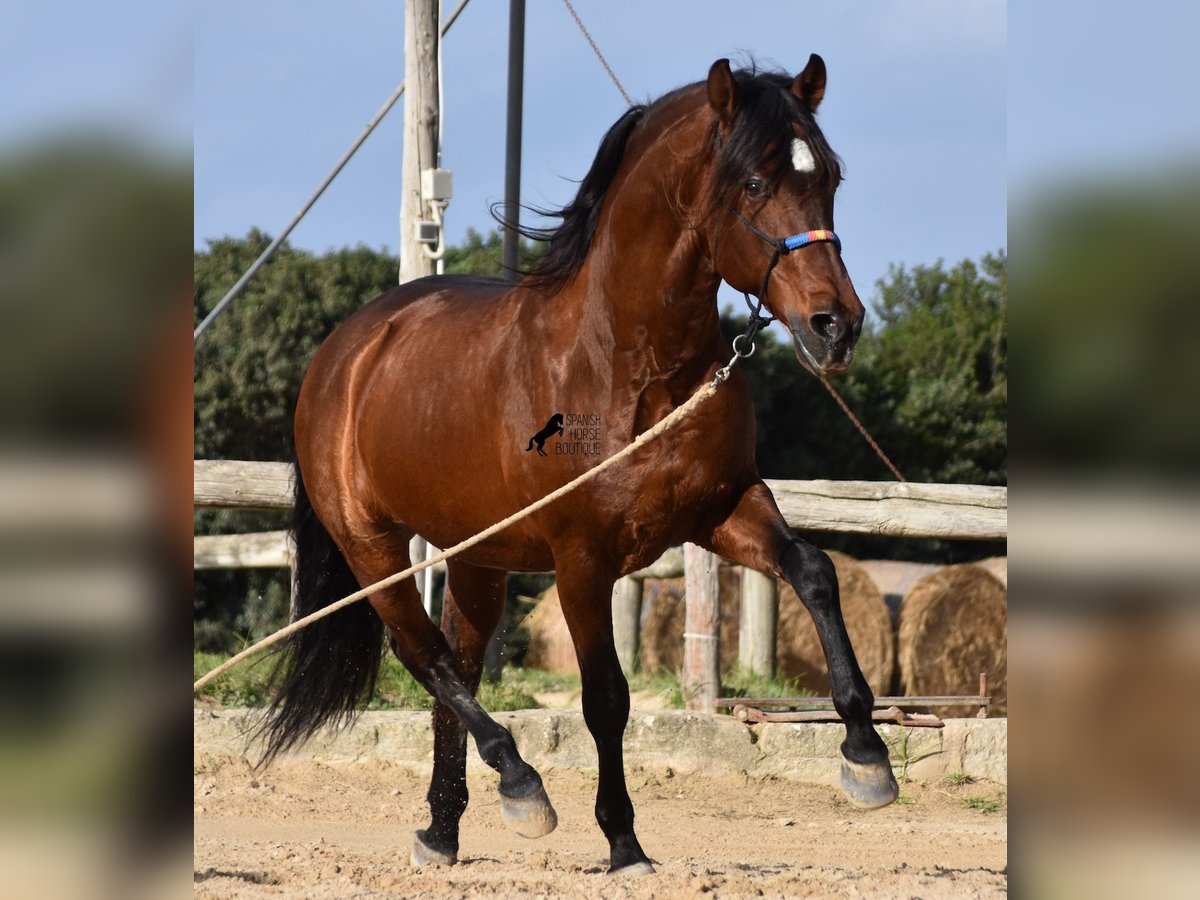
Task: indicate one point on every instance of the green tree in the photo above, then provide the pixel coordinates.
(249, 364)
(479, 255)
(932, 376)
(801, 433)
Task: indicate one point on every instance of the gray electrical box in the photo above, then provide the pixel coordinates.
(436, 184)
(426, 233)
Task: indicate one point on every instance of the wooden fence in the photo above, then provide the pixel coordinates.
(948, 511)
(951, 511)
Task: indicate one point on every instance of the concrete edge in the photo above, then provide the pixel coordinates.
(688, 743)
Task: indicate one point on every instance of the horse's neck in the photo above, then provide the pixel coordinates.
(649, 318)
(648, 290)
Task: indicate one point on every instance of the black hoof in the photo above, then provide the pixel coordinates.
(634, 870)
(531, 816)
(869, 786)
(424, 855)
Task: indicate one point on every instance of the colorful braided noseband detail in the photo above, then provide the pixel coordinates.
(796, 241)
(782, 246)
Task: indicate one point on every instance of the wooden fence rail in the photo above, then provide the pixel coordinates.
(950, 511)
(240, 484)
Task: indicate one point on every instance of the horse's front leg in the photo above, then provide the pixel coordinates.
(756, 535)
(586, 598)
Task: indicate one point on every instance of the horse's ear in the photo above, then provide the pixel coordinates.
(809, 86)
(723, 93)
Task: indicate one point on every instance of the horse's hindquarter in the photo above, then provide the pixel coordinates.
(428, 414)
(424, 402)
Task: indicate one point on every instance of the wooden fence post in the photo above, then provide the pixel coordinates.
(700, 680)
(760, 613)
(627, 620)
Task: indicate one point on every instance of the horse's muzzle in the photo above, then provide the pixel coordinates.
(826, 351)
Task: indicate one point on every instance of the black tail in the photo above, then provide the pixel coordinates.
(530, 447)
(326, 671)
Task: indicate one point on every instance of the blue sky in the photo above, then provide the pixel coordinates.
(925, 98)
(915, 106)
(1101, 90)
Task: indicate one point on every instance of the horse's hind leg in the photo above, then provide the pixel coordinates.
(587, 606)
(426, 654)
(474, 602)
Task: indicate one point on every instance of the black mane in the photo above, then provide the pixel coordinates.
(758, 141)
(570, 241)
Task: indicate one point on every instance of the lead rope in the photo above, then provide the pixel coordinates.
(600, 56)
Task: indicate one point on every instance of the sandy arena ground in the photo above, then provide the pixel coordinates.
(305, 829)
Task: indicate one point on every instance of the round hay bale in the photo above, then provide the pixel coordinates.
(954, 625)
(998, 566)
(550, 648)
(798, 650)
(664, 612)
(661, 639)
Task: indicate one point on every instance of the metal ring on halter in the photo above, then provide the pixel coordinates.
(739, 353)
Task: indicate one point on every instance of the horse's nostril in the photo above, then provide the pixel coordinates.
(827, 325)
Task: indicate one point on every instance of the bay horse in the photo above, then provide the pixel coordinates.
(618, 324)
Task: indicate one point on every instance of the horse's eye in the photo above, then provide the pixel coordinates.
(755, 189)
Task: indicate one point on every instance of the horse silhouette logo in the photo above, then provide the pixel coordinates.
(554, 425)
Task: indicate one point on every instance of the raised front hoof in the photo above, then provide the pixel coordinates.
(869, 786)
(532, 816)
(424, 855)
(634, 870)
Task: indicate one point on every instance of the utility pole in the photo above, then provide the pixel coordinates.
(425, 188)
(512, 141)
(421, 48)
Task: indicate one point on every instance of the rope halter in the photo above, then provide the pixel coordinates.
(781, 247)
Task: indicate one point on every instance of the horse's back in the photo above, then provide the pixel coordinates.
(468, 295)
(419, 311)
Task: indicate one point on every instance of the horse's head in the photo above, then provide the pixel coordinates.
(773, 181)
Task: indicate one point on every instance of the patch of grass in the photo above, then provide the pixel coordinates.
(982, 804)
(535, 681)
(906, 800)
(958, 779)
(665, 684)
(395, 688)
(244, 685)
(511, 692)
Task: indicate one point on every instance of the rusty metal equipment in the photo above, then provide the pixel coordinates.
(820, 709)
